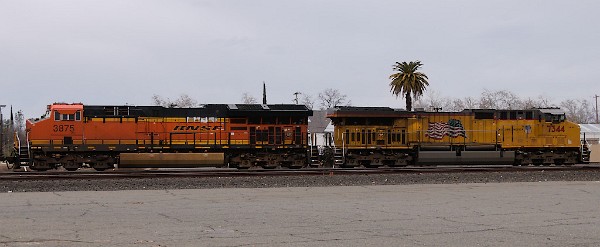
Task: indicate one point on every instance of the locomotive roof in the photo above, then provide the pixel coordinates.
(554, 111)
(352, 111)
(208, 110)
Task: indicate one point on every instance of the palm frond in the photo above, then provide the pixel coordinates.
(408, 81)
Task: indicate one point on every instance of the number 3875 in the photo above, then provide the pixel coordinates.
(63, 128)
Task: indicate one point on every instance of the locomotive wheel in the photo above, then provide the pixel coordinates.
(69, 164)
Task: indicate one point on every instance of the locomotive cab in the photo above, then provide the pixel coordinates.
(59, 130)
(66, 119)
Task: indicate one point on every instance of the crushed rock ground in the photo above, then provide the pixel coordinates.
(115, 184)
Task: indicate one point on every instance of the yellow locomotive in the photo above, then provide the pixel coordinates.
(382, 136)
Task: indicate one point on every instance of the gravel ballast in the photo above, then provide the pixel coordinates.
(113, 184)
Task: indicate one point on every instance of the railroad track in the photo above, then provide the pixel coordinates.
(221, 172)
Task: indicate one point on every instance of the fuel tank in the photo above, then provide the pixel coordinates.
(174, 160)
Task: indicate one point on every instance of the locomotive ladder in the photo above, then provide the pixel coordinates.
(314, 156)
(314, 151)
(585, 151)
(23, 157)
(339, 154)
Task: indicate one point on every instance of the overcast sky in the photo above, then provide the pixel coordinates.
(117, 52)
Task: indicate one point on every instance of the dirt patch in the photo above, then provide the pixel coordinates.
(3, 167)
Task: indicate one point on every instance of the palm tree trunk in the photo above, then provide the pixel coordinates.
(408, 102)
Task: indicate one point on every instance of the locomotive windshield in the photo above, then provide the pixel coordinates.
(554, 115)
(555, 118)
(67, 117)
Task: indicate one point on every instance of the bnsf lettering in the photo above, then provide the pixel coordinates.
(198, 128)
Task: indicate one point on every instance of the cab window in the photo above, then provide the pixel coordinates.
(67, 117)
(554, 118)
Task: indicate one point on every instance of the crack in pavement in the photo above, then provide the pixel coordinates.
(34, 241)
(84, 213)
(171, 218)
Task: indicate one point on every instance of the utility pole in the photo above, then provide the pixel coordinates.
(296, 94)
(1, 132)
(596, 96)
(264, 94)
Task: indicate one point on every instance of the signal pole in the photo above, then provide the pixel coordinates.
(596, 96)
(1, 132)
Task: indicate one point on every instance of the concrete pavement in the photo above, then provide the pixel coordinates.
(505, 214)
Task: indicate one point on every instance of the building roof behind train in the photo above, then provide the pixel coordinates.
(591, 132)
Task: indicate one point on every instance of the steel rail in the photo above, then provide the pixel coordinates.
(220, 172)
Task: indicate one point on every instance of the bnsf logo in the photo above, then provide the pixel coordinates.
(198, 128)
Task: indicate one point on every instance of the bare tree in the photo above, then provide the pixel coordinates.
(539, 102)
(579, 111)
(7, 132)
(248, 99)
(500, 100)
(457, 105)
(434, 101)
(16, 126)
(470, 103)
(465, 103)
(419, 104)
(184, 101)
(331, 98)
(308, 101)
(544, 102)
(508, 100)
(159, 100)
(19, 125)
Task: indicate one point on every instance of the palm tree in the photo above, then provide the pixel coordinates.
(408, 81)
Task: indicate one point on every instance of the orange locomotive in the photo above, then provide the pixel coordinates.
(234, 135)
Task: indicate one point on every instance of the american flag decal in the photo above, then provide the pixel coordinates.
(452, 128)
